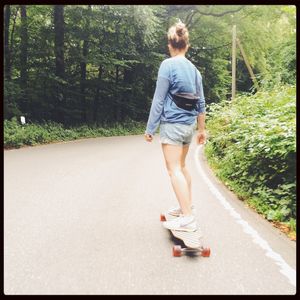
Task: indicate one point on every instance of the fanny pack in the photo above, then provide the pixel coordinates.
(186, 101)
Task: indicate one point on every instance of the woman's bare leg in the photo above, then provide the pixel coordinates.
(174, 156)
(186, 173)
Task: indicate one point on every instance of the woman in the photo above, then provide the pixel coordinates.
(177, 75)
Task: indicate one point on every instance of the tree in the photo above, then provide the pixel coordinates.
(7, 60)
(11, 87)
(85, 49)
(59, 29)
(23, 58)
(59, 40)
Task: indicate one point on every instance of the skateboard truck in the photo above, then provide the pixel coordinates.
(179, 251)
(191, 247)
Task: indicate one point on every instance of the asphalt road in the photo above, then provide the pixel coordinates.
(83, 218)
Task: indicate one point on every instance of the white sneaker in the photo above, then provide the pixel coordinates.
(176, 211)
(182, 223)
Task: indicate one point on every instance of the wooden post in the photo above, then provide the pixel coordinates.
(233, 62)
(247, 64)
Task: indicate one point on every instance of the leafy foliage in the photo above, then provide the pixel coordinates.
(252, 146)
(125, 46)
(17, 135)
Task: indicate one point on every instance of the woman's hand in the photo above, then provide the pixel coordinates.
(148, 137)
(201, 137)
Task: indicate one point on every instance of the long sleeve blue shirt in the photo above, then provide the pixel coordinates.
(176, 75)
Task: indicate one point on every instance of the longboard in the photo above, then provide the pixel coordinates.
(192, 240)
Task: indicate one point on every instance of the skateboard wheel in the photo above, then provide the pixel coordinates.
(177, 250)
(206, 252)
(162, 218)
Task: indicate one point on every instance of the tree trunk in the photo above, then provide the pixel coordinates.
(23, 58)
(7, 68)
(59, 40)
(117, 107)
(11, 44)
(59, 60)
(85, 50)
(83, 80)
(117, 75)
(96, 99)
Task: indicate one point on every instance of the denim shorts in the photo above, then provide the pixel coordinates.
(176, 134)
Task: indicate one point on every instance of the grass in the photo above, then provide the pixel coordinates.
(17, 135)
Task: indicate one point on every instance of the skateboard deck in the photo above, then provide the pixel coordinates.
(192, 240)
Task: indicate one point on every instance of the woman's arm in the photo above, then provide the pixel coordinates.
(162, 88)
(201, 135)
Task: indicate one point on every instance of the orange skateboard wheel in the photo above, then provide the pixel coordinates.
(163, 218)
(177, 250)
(205, 252)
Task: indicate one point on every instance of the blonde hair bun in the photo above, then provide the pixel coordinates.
(178, 36)
(180, 29)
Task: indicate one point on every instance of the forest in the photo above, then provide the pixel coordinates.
(90, 70)
(97, 64)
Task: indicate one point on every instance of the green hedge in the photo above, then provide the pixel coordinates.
(252, 147)
(17, 135)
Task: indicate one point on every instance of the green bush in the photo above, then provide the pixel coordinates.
(252, 146)
(17, 135)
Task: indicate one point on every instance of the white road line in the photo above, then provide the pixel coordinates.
(285, 269)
